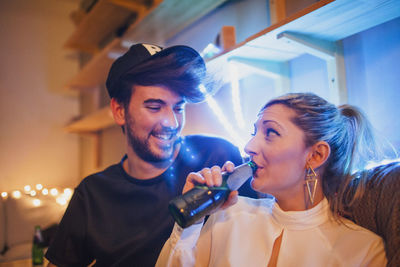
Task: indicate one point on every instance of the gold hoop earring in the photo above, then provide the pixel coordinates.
(311, 183)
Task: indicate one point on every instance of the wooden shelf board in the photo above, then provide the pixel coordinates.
(100, 22)
(95, 72)
(327, 20)
(134, 5)
(94, 122)
(167, 19)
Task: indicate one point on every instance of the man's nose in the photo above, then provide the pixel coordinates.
(170, 120)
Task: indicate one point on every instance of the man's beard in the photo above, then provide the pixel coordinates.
(142, 146)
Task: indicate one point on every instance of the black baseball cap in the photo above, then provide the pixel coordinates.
(140, 53)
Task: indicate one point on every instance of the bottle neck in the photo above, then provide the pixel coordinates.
(252, 165)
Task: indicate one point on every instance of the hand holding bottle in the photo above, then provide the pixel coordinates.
(208, 190)
(212, 177)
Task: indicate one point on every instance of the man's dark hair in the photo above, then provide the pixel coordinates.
(177, 69)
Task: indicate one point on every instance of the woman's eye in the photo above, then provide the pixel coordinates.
(270, 132)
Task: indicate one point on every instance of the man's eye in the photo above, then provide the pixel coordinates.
(153, 108)
(179, 109)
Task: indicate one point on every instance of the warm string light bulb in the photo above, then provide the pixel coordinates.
(54, 192)
(61, 197)
(62, 200)
(36, 202)
(27, 188)
(16, 194)
(68, 192)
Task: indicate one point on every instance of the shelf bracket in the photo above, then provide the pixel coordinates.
(277, 71)
(277, 11)
(331, 53)
(317, 47)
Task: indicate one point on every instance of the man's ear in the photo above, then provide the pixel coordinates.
(319, 153)
(118, 112)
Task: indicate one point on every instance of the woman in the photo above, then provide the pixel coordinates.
(305, 149)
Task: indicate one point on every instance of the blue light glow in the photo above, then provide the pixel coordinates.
(210, 51)
(372, 165)
(220, 115)
(237, 107)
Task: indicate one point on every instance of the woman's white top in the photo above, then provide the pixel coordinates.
(244, 234)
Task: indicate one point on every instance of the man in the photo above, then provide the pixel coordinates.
(119, 217)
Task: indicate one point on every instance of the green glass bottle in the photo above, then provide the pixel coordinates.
(37, 247)
(202, 200)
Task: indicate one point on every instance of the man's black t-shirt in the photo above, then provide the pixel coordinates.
(122, 221)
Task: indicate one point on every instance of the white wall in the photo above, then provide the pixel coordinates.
(34, 148)
(373, 76)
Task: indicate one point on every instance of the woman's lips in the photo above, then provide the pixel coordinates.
(257, 171)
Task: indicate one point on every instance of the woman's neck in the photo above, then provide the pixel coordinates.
(298, 204)
(300, 200)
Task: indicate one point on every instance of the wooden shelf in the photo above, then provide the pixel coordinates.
(155, 23)
(102, 21)
(325, 21)
(167, 19)
(93, 123)
(315, 30)
(95, 72)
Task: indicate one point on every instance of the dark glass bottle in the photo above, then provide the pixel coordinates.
(202, 200)
(37, 247)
